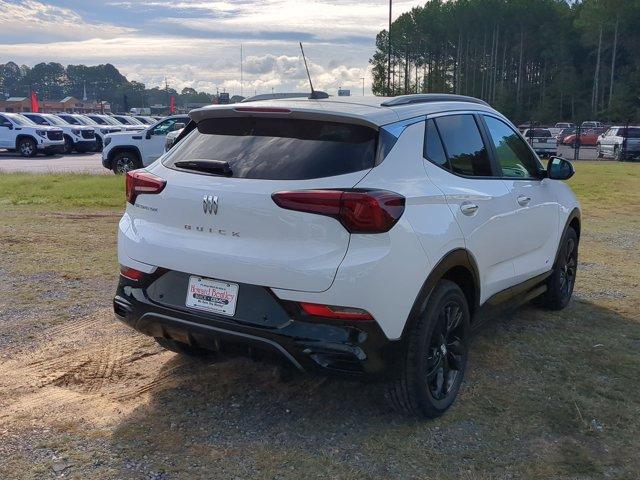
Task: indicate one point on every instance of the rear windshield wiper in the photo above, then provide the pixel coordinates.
(217, 167)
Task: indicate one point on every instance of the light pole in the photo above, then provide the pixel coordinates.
(389, 53)
(362, 78)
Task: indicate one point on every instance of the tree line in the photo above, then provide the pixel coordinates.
(543, 60)
(53, 81)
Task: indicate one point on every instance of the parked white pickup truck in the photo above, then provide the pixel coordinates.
(130, 150)
(541, 140)
(76, 137)
(19, 133)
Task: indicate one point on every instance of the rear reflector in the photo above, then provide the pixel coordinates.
(332, 311)
(131, 273)
(359, 211)
(139, 182)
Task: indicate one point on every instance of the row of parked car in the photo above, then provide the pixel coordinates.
(127, 142)
(618, 142)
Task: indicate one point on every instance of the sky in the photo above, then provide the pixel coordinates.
(197, 43)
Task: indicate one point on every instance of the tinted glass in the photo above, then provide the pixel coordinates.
(631, 132)
(515, 158)
(98, 120)
(433, 150)
(70, 119)
(36, 119)
(167, 125)
(280, 149)
(464, 146)
(20, 119)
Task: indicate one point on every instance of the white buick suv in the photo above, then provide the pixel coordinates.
(363, 237)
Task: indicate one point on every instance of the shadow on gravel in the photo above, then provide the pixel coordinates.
(546, 394)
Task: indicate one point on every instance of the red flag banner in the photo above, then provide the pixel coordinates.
(172, 105)
(34, 102)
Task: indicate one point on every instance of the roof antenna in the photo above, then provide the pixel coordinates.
(315, 94)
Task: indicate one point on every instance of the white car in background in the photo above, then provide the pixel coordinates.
(362, 237)
(19, 133)
(130, 150)
(620, 143)
(101, 131)
(76, 137)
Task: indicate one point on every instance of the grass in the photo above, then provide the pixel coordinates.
(62, 191)
(547, 394)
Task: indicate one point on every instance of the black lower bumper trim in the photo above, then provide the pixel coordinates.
(307, 343)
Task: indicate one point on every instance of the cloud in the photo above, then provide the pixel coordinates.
(197, 43)
(37, 21)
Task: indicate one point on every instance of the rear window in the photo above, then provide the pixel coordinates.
(279, 149)
(538, 133)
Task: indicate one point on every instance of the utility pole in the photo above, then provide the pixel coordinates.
(241, 69)
(389, 53)
(362, 78)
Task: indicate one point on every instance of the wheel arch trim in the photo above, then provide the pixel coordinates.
(453, 259)
(119, 148)
(574, 216)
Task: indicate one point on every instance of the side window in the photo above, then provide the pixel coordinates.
(514, 157)
(164, 127)
(465, 149)
(433, 150)
(38, 119)
(4, 122)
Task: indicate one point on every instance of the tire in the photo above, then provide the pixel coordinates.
(27, 147)
(68, 145)
(563, 278)
(182, 348)
(436, 356)
(616, 153)
(125, 161)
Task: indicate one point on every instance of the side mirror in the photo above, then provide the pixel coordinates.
(149, 133)
(559, 169)
(178, 126)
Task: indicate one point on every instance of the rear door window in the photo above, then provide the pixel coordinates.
(463, 143)
(279, 149)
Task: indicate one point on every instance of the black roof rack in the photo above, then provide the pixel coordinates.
(429, 98)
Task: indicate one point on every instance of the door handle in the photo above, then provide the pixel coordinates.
(523, 200)
(468, 208)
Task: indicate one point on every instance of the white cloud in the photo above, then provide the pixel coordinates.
(196, 43)
(33, 19)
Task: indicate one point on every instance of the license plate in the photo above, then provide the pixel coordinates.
(212, 295)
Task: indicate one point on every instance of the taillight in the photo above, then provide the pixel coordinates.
(139, 182)
(332, 311)
(131, 273)
(359, 211)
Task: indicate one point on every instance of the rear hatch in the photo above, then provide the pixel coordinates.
(216, 218)
(632, 139)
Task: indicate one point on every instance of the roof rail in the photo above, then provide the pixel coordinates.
(430, 97)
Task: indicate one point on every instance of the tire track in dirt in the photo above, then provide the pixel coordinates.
(91, 368)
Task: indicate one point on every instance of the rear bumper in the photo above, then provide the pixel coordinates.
(276, 328)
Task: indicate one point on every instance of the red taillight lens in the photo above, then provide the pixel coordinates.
(332, 311)
(139, 182)
(359, 211)
(131, 273)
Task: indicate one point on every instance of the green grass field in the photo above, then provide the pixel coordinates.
(547, 394)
